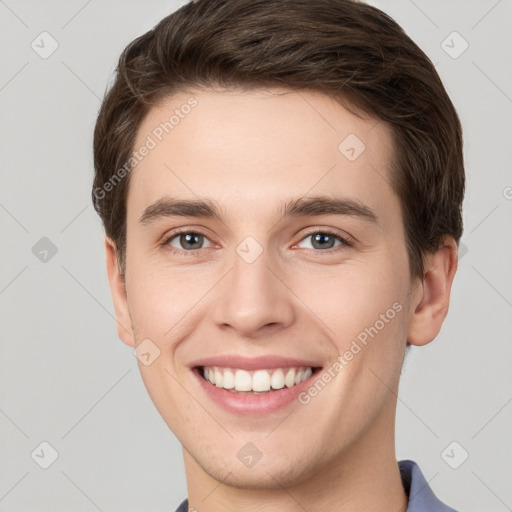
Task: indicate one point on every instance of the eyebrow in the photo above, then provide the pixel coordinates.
(301, 207)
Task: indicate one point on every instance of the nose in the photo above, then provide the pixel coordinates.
(254, 299)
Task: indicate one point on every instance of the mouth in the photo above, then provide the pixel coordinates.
(241, 381)
(254, 387)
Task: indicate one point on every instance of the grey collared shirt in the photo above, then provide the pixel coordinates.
(421, 497)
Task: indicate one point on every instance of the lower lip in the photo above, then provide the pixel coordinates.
(253, 404)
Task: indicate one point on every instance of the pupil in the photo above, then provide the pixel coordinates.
(320, 238)
(189, 238)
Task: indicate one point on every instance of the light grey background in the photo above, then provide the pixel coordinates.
(66, 379)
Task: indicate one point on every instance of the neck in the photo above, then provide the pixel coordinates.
(362, 478)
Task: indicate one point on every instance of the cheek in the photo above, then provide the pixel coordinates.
(153, 302)
(364, 309)
(164, 302)
(351, 298)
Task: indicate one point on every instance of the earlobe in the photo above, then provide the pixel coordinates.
(119, 297)
(432, 297)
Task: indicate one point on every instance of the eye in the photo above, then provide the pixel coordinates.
(185, 241)
(324, 240)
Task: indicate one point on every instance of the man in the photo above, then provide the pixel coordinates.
(280, 183)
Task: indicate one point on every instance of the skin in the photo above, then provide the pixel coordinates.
(249, 152)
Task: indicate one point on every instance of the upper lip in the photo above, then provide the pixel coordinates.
(253, 363)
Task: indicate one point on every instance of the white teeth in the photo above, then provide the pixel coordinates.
(219, 378)
(277, 381)
(259, 381)
(243, 381)
(229, 379)
(289, 380)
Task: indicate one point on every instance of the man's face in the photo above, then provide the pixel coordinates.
(265, 295)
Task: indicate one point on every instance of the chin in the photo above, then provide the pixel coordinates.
(270, 474)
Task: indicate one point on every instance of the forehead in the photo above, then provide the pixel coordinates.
(260, 145)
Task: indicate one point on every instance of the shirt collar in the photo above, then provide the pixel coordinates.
(421, 496)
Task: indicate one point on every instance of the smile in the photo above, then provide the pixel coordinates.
(255, 381)
(255, 386)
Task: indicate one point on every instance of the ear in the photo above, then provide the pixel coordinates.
(118, 290)
(431, 295)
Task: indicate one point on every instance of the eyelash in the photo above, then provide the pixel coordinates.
(344, 242)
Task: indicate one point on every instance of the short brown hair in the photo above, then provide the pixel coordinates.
(346, 49)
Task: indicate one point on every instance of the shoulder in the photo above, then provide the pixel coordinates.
(421, 496)
(183, 507)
